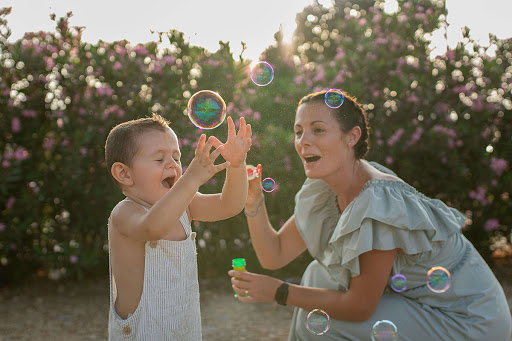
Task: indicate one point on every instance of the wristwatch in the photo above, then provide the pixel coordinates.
(282, 294)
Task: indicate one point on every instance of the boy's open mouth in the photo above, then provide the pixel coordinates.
(168, 182)
(311, 159)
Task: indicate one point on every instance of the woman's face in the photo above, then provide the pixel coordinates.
(319, 141)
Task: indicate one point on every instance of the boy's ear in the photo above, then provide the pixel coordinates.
(121, 173)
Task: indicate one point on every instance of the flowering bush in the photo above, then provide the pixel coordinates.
(442, 123)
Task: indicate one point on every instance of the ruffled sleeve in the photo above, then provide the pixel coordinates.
(387, 214)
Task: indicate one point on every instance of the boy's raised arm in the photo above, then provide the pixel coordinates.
(212, 207)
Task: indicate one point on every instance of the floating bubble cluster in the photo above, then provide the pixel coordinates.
(384, 331)
(318, 322)
(262, 74)
(268, 184)
(398, 283)
(206, 109)
(334, 98)
(438, 279)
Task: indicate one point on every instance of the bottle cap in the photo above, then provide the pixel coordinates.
(238, 262)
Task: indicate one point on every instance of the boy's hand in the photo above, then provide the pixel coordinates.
(238, 144)
(202, 166)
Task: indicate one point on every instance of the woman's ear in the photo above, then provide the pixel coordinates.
(354, 135)
(121, 173)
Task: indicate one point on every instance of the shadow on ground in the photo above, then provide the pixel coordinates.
(79, 311)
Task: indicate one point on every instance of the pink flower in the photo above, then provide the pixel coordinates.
(21, 154)
(395, 137)
(48, 143)
(16, 124)
(83, 150)
(413, 99)
(117, 66)
(73, 259)
(60, 122)
(10, 202)
(389, 160)
(498, 165)
(2, 226)
(491, 225)
(28, 113)
(480, 195)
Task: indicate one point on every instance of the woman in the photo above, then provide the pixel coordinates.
(363, 225)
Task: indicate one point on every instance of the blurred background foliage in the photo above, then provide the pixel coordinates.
(442, 123)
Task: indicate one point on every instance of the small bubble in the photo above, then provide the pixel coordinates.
(334, 98)
(398, 283)
(384, 331)
(268, 184)
(438, 279)
(262, 74)
(318, 322)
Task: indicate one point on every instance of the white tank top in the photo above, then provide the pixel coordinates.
(169, 305)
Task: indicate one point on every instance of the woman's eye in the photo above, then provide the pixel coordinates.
(160, 160)
(298, 133)
(178, 160)
(318, 130)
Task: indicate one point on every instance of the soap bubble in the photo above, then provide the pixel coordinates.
(262, 74)
(268, 184)
(318, 322)
(438, 279)
(398, 283)
(334, 98)
(384, 331)
(206, 109)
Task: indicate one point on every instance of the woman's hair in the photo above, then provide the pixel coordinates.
(349, 115)
(123, 140)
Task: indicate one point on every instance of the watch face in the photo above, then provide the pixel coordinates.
(282, 294)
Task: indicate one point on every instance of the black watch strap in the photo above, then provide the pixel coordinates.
(282, 294)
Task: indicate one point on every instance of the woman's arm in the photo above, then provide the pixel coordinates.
(358, 303)
(274, 249)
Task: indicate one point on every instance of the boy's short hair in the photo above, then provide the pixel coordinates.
(123, 140)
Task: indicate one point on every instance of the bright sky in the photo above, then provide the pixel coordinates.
(205, 22)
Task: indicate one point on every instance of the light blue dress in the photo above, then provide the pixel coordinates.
(389, 214)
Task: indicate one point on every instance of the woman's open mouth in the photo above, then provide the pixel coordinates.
(311, 159)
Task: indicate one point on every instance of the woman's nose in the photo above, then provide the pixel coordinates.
(304, 139)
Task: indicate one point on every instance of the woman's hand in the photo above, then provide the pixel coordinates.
(254, 194)
(256, 287)
(238, 144)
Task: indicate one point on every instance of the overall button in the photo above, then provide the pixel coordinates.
(153, 244)
(127, 330)
(193, 236)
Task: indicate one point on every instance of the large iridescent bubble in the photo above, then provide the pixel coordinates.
(262, 73)
(206, 109)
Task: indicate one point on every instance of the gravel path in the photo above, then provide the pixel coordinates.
(73, 312)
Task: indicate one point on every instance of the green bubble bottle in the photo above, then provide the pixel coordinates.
(238, 265)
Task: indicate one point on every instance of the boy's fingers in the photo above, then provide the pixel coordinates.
(231, 127)
(242, 127)
(216, 142)
(220, 167)
(248, 132)
(215, 154)
(208, 145)
(200, 144)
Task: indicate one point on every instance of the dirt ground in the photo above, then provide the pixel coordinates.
(79, 311)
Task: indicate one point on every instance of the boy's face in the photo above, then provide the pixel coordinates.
(156, 166)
